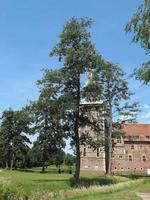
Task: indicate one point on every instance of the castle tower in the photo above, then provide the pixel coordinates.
(91, 109)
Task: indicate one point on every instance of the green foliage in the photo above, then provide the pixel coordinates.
(69, 159)
(47, 115)
(77, 55)
(13, 140)
(143, 73)
(115, 94)
(139, 25)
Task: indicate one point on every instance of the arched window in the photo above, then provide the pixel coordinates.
(130, 158)
(144, 158)
(84, 151)
(97, 152)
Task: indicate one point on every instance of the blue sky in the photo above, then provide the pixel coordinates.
(29, 29)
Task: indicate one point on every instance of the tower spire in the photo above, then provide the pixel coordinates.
(91, 87)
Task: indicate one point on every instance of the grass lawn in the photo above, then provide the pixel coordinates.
(29, 183)
(32, 183)
(128, 191)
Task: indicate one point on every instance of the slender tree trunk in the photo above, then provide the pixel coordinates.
(12, 162)
(106, 147)
(15, 163)
(6, 164)
(43, 167)
(110, 143)
(77, 139)
(43, 164)
(77, 167)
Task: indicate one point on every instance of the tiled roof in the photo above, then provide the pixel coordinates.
(136, 129)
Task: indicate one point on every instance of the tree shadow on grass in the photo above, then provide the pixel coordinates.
(38, 171)
(47, 171)
(87, 182)
(134, 176)
(50, 180)
(26, 170)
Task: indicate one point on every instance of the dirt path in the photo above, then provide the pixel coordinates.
(144, 196)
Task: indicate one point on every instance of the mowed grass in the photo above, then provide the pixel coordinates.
(123, 191)
(32, 183)
(29, 183)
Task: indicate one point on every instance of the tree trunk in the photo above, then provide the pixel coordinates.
(43, 163)
(77, 139)
(43, 167)
(110, 144)
(12, 162)
(6, 164)
(77, 167)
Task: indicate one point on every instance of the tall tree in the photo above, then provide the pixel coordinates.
(13, 140)
(78, 56)
(115, 95)
(46, 112)
(139, 25)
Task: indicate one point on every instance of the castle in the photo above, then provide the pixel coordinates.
(130, 152)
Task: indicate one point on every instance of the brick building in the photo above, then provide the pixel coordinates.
(130, 152)
(92, 159)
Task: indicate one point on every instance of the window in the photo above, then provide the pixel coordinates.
(135, 137)
(97, 114)
(130, 158)
(120, 156)
(84, 151)
(144, 158)
(141, 146)
(118, 140)
(147, 137)
(97, 152)
(132, 146)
